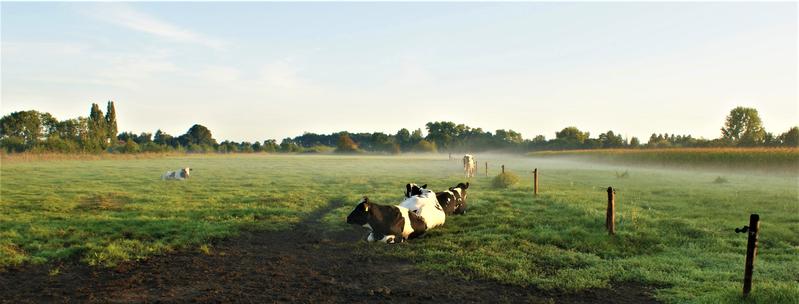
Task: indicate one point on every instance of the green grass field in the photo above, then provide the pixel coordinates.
(674, 229)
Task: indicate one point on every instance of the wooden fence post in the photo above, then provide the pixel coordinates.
(610, 218)
(535, 182)
(503, 169)
(486, 168)
(751, 250)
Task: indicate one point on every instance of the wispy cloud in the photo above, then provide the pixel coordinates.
(127, 16)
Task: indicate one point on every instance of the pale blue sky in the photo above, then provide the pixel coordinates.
(253, 71)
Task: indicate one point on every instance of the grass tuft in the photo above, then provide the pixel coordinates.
(505, 180)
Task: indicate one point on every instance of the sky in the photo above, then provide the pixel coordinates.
(256, 71)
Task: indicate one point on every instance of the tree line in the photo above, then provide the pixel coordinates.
(41, 132)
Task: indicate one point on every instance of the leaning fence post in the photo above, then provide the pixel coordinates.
(535, 182)
(503, 169)
(751, 250)
(610, 218)
(486, 168)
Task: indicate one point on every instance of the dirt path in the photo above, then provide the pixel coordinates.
(303, 265)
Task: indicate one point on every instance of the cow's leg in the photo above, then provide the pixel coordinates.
(371, 237)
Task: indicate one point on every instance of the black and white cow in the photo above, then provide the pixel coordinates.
(389, 224)
(177, 175)
(414, 190)
(453, 200)
(423, 202)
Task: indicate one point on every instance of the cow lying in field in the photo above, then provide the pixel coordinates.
(453, 200)
(423, 202)
(413, 190)
(177, 175)
(389, 224)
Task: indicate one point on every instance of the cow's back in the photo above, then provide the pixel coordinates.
(428, 208)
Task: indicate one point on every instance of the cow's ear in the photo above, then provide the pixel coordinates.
(467, 186)
(365, 203)
(408, 188)
(424, 186)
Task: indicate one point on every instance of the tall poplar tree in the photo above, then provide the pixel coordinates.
(98, 132)
(111, 122)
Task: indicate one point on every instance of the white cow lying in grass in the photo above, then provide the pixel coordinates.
(425, 204)
(177, 175)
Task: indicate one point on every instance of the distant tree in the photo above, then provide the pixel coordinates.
(382, 142)
(227, 147)
(98, 132)
(288, 145)
(634, 142)
(144, 138)
(346, 144)
(416, 136)
(75, 130)
(611, 140)
(111, 120)
(246, 147)
(507, 138)
(442, 133)
(572, 133)
(743, 127)
(403, 138)
(256, 147)
(24, 129)
(570, 138)
(270, 146)
(124, 136)
(162, 138)
(425, 146)
(790, 138)
(131, 146)
(197, 135)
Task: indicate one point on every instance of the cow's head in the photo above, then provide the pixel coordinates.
(360, 215)
(184, 173)
(413, 190)
(460, 189)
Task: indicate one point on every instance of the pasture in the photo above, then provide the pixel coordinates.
(674, 227)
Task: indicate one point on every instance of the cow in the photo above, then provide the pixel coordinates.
(469, 165)
(389, 224)
(453, 200)
(413, 190)
(425, 205)
(177, 175)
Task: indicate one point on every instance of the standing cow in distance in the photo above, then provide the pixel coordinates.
(469, 165)
(177, 175)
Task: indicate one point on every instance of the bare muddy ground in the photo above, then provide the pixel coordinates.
(303, 265)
